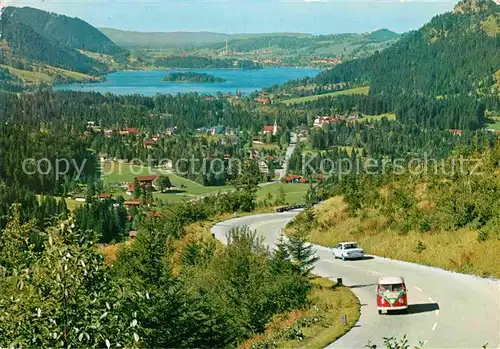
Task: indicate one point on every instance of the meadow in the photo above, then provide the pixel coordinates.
(116, 174)
(358, 90)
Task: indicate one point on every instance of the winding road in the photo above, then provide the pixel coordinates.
(447, 310)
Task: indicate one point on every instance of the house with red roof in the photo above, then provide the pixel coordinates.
(271, 129)
(148, 143)
(319, 121)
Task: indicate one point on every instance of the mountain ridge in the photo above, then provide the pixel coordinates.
(130, 38)
(451, 54)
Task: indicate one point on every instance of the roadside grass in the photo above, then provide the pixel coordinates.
(358, 90)
(295, 192)
(320, 322)
(458, 251)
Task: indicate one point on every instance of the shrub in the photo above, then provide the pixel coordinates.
(482, 235)
(419, 248)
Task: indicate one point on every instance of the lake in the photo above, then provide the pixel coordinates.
(150, 82)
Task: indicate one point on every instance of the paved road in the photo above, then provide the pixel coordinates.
(289, 151)
(447, 310)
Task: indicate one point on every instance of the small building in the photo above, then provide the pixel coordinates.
(263, 167)
(130, 130)
(457, 132)
(146, 180)
(105, 196)
(132, 203)
(148, 143)
(217, 130)
(271, 129)
(319, 121)
(262, 100)
(130, 189)
(295, 179)
(80, 198)
(132, 234)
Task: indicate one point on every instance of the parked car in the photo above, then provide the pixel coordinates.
(348, 250)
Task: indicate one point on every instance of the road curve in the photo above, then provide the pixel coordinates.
(447, 310)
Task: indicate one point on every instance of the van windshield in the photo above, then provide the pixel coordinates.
(391, 288)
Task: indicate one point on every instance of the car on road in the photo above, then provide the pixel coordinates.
(348, 250)
(391, 294)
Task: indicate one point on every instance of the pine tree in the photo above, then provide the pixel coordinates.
(302, 252)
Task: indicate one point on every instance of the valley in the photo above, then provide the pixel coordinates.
(185, 189)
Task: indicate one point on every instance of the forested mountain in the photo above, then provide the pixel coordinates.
(37, 37)
(454, 53)
(26, 43)
(311, 44)
(159, 40)
(73, 33)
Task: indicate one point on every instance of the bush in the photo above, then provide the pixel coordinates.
(419, 248)
(482, 235)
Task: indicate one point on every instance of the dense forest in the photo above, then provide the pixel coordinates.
(193, 77)
(452, 54)
(35, 36)
(27, 43)
(66, 31)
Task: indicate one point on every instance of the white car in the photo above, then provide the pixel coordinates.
(348, 250)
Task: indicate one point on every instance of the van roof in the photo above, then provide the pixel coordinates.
(389, 280)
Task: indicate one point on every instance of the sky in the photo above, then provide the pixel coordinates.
(249, 16)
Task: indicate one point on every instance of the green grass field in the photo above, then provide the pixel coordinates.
(294, 192)
(358, 90)
(370, 118)
(116, 173)
(29, 77)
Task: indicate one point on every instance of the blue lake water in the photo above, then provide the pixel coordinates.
(150, 82)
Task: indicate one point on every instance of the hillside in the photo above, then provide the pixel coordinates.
(456, 52)
(160, 40)
(26, 43)
(40, 47)
(432, 218)
(73, 33)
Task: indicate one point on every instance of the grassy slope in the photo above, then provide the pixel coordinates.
(458, 251)
(330, 303)
(294, 192)
(47, 74)
(358, 90)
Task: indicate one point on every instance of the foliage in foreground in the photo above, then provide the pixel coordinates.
(57, 291)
